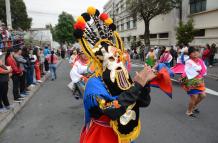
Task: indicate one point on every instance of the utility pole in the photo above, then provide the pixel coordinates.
(8, 13)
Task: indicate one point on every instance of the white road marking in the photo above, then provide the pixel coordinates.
(212, 92)
(209, 91)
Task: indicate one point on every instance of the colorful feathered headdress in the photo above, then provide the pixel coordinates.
(93, 30)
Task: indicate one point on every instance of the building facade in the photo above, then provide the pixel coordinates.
(163, 27)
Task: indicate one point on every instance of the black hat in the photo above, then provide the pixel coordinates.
(191, 50)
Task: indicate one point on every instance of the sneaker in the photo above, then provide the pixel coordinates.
(9, 107)
(192, 115)
(3, 110)
(27, 91)
(39, 81)
(32, 85)
(21, 98)
(17, 101)
(210, 66)
(23, 95)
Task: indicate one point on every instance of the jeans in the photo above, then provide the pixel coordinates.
(28, 77)
(32, 74)
(3, 94)
(52, 68)
(206, 62)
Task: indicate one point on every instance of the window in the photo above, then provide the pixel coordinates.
(200, 33)
(122, 7)
(122, 27)
(134, 38)
(123, 39)
(197, 6)
(153, 35)
(163, 35)
(134, 23)
(141, 36)
(118, 27)
(128, 25)
(128, 39)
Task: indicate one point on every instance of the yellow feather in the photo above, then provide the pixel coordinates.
(108, 21)
(81, 19)
(91, 10)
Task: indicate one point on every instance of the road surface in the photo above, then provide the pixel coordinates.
(54, 116)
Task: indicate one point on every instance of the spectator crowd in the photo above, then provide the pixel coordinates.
(25, 66)
(10, 38)
(169, 55)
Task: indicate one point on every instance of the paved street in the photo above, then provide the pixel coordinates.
(54, 116)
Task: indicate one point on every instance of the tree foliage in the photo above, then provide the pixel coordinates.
(148, 9)
(19, 15)
(185, 32)
(63, 31)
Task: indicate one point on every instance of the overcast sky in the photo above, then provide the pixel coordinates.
(46, 11)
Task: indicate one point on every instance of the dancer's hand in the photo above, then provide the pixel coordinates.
(85, 79)
(144, 76)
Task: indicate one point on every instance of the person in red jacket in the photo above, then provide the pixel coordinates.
(36, 54)
(206, 55)
(16, 73)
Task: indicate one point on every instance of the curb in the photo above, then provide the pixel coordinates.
(8, 116)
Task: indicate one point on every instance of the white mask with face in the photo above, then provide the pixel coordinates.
(113, 62)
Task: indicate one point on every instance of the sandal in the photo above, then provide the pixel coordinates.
(197, 111)
(191, 115)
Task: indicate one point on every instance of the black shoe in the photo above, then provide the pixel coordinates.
(76, 95)
(17, 100)
(196, 111)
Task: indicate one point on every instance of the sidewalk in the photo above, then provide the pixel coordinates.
(211, 72)
(5, 118)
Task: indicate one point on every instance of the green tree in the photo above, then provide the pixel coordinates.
(148, 9)
(19, 15)
(63, 31)
(185, 32)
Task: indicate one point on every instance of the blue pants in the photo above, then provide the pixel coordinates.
(52, 68)
(29, 75)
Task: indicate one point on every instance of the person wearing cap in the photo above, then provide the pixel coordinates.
(16, 73)
(4, 79)
(151, 57)
(166, 57)
(192, 81)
